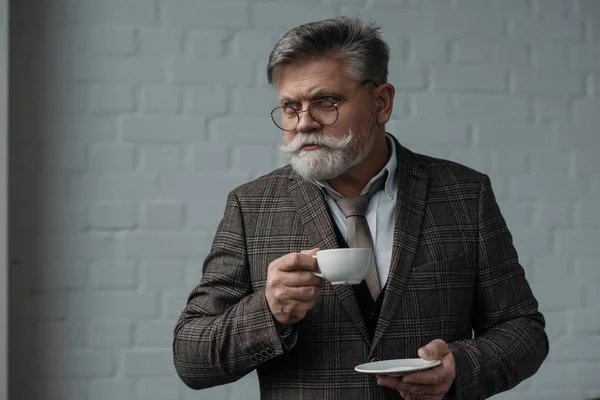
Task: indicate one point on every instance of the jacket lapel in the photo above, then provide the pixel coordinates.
(410, 210)
(318, 227)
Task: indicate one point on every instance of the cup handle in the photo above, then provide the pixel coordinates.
(320, 275)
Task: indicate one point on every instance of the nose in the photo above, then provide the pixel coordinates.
(307, 123)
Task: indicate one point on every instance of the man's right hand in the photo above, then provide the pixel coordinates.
(292, 289)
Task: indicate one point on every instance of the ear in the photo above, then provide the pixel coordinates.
(384, 102)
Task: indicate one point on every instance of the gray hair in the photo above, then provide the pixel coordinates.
(359, 44)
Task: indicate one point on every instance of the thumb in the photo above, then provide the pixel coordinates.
(434, 350)
(310, 252)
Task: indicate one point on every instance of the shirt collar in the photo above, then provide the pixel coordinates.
(391, 184)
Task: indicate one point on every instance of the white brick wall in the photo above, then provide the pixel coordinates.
(132, 119)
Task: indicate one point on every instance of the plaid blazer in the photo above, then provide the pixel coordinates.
(454, 275)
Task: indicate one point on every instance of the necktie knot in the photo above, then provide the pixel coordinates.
(356, 206)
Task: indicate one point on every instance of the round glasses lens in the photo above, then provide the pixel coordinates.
(285, 118)
(324, 112)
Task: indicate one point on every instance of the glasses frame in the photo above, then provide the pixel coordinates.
(335, 105)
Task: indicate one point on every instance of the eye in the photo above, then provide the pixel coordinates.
(328, 98)
(290, 104)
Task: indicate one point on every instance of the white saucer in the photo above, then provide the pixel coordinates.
(396, 367)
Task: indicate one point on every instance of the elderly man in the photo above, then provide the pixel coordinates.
(447, 284)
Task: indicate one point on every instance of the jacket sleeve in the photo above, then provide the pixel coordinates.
(226, 330)
(510, 342)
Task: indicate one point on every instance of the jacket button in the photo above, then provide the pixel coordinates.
(253, 359)
(264, 354)
(270, 351)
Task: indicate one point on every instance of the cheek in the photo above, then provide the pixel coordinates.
(288, 137)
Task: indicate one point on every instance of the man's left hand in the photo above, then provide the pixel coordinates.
(431, 384)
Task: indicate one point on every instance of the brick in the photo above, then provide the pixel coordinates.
(47, 306)
(577, 348)
(115, 216)
(78, 246)
(110, 335)
(554, 54)
(77, 364)
(114, 388)
(239, 131)
(516, 213)
(100, 40)
(127, 70)
(251, 158)
(469, 79)
(553, 109)
(509, 161)
(254, 102)
(59, 389)
(577, 242)
(510, 135)
(585, 376)
(64, 157)
(59, 335)
(198, 217)
(211, 157)
(210, 72)
(587, 215)
(94, 305)
(512, 54)
(547, 374)
(585, 162)
(160, 41)
(288, 15)
(587, 111)
(556, 323)
(492, 107)
(210, 101)
(550, 269)
(60, 98)
(163, 244)
(161, 99)
(154, 333)
(473, 51)
(122, 275)
(112, 158)
(548, 82)
(577, 137)
(254, 44)
(409, 78)
(112, 187)
(550, 162)
(510, 7)
(427, 132)
(174, 304)
(584, 56)
(545, 187)
(162, 129)
(83, 129)
(207, 42)
(426, 50)
(531, 241)
(189, 13)
(547, 29)
(553, 8)
(56, 275)
(550, 215)
(567, 298)
(162, 215)
(585, 322)
(588, 8)
(399, 21)
(161, 158)
(432, 105)
(475, 160)
(158, 389)
(588, 268)
(111, 98)
(115, 13)
(145, 363)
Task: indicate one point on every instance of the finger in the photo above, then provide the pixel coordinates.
(299, 279)
(388, 381)
(430, 377)
(434, 350)
(303, 294)
(296, 261)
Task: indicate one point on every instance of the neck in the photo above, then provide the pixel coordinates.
(353, 181)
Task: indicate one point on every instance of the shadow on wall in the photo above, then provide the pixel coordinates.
(33, 304)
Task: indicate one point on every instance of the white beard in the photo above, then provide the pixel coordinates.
(334, 158)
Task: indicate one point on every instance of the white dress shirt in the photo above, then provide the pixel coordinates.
(380, 214)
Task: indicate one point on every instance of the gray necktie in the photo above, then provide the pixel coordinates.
(355, 208)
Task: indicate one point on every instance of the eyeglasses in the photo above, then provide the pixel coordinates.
(324, 112)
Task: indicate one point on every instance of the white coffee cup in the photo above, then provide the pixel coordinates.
(343, 266)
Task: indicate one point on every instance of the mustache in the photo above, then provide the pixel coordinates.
(315, 139)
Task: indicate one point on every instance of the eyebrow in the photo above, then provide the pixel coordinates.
(316, 95)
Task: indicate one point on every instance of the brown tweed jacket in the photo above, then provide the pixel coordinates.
(454, 275)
